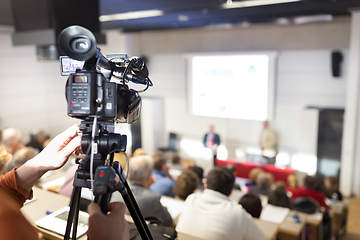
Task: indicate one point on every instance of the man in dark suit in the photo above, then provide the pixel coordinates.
(212, 141)
(140, 178)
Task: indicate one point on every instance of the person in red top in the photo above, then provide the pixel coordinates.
(308, 190)
(16, 187)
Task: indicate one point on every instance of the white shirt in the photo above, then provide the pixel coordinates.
(211, 215)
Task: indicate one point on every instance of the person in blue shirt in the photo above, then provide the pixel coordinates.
(164, 183)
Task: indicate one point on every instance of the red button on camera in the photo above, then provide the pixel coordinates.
(101, 174)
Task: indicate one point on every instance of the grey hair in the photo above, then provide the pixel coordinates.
(11, 135)
(140, 167)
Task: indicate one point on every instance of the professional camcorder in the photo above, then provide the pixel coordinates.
(89, 92)
(97, 92)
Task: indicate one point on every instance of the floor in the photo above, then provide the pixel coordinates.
(353, 222)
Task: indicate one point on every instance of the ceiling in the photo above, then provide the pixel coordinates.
(196, 13)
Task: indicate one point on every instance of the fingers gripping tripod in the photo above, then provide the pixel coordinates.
(108, 176)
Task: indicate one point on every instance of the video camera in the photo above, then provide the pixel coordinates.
(89, 91)
(99, 102)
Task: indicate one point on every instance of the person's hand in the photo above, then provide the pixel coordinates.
(110, 227)
(57, 152)
(52, 157)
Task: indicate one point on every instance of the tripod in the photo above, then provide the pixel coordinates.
(109, 176)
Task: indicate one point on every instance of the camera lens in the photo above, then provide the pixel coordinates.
(80, 45)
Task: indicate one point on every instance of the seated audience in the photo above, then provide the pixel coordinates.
(252, 204)
(292, 182)
(16, 187)
(175, 161)
(164, 183)
(12, 140)
(278, 197)
(263, 184)
(200, 173)
(185, 184)
(232, 168)
(5, 158)
(140, 179)
(308, 190)
(139, 151)
(212, 215)
(332, 186)
(37, 139)
(253, 176)
(280, 185)
(21, 157)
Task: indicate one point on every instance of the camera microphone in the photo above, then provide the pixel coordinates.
(135, 79)
(138, 65)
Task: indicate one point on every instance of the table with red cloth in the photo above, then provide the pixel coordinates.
(243, 169)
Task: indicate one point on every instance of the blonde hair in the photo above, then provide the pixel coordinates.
(254, 173)
(5, 158)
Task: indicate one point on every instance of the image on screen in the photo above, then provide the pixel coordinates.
(230, 86)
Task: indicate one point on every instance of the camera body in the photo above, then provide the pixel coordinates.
(89, 91)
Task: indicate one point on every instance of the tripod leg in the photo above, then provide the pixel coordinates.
(75, 198)
(76, 217)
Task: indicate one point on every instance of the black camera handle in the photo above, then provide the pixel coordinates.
(81, 180)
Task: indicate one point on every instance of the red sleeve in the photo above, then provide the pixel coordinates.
(13, 224)
(18, 194)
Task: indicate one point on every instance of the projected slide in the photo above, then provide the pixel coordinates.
(230, 86)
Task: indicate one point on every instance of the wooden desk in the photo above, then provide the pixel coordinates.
(269, 229)
(45, 201)
(338, 214)
(315, 224)
(290, 230)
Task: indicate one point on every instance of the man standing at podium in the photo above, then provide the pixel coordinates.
(212, 141)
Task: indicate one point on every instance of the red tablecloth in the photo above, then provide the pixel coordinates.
(243, 169)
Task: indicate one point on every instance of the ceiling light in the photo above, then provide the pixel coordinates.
(242, 4)
(131, 15)
(315, 18)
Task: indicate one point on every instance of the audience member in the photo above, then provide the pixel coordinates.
(252, 204)
(164, 183)
(278, 197)
(332, 187)
(253, 176)
(37, 139)
(21, 157)
(200, 173)
(5, 158)
(185, 184)
(264, 181)
(140, 179)
(292, 182)
(16, 187)
(139, 151)
(232, 169)
(212, 215)
(280, 185)
(212, 140)
(175, 161)
(308, 190)
(12, 140)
